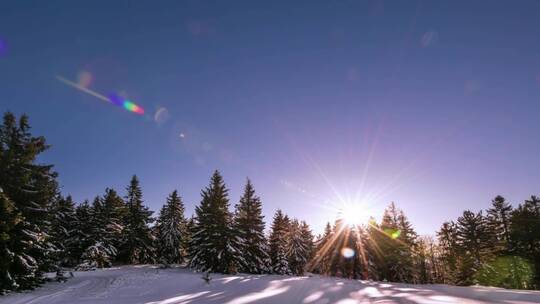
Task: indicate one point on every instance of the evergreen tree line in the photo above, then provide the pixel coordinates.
(500, 248)
(41, 230)
(387, 251)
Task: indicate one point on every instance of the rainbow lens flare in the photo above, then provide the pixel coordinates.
(126, 104)
(113, 98)
(130, 106)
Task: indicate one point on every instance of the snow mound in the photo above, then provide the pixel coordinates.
(152, 285)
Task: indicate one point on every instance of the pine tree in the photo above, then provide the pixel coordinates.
(105, 231)
(9, 217)
(101, 251)
(63, 225)
(498, 224)
(307, 240)
(31, 188)
(190, 229)
(320, 261)
(395, 238)
(525, 234)
(278, 244)
(81, 237)
(297, 251)
(214, 247)
(171, 230)
(473, 239)
(407, 240)
(114, 212)
(137, 239)
(448, 242)
(249, 227)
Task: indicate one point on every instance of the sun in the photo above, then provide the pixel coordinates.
(355, 214)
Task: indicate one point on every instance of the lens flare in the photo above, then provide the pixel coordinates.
(130, 106)
(161, 116)
(393, 233)
(126, 104)
(347, 252)
(113, 98)
(84, 79)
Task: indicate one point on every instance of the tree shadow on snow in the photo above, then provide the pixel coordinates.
(243, 289)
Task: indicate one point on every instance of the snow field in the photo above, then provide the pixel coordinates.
(151, 285)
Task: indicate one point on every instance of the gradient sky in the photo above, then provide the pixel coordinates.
(434, 105)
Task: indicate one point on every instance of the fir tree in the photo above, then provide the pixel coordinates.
(9, 217)
(448, 243)
(407, 240)
(190, 229)
(498, 223)
(31, 188)
(307, 240)
(278, 244)
(114, 212)
(249, 226)
(81, 237)
(473, 239)
(214, 247)
(63, 225)
(101, 251)
(297, 250)
(137, 239)
(105, 231)
(171, 230)
(525, 234)
(395, 238)
(320, 259)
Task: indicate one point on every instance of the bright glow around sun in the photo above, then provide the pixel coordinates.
(355, 214)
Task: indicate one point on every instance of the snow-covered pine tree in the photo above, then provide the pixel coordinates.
(101, 251)
(171, 231)
(278, 244)
(308, 240)
(9, 217)
(81, 237)
(297, 251)
(137, 239)
(249, 227)
(114, 211)
(63, 226)
(190, 228)
(214, 246)
(105, 231)
(31, 187)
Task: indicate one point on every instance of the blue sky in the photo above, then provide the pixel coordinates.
(433, 105)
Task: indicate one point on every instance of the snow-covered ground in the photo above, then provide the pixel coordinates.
(150, 285)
